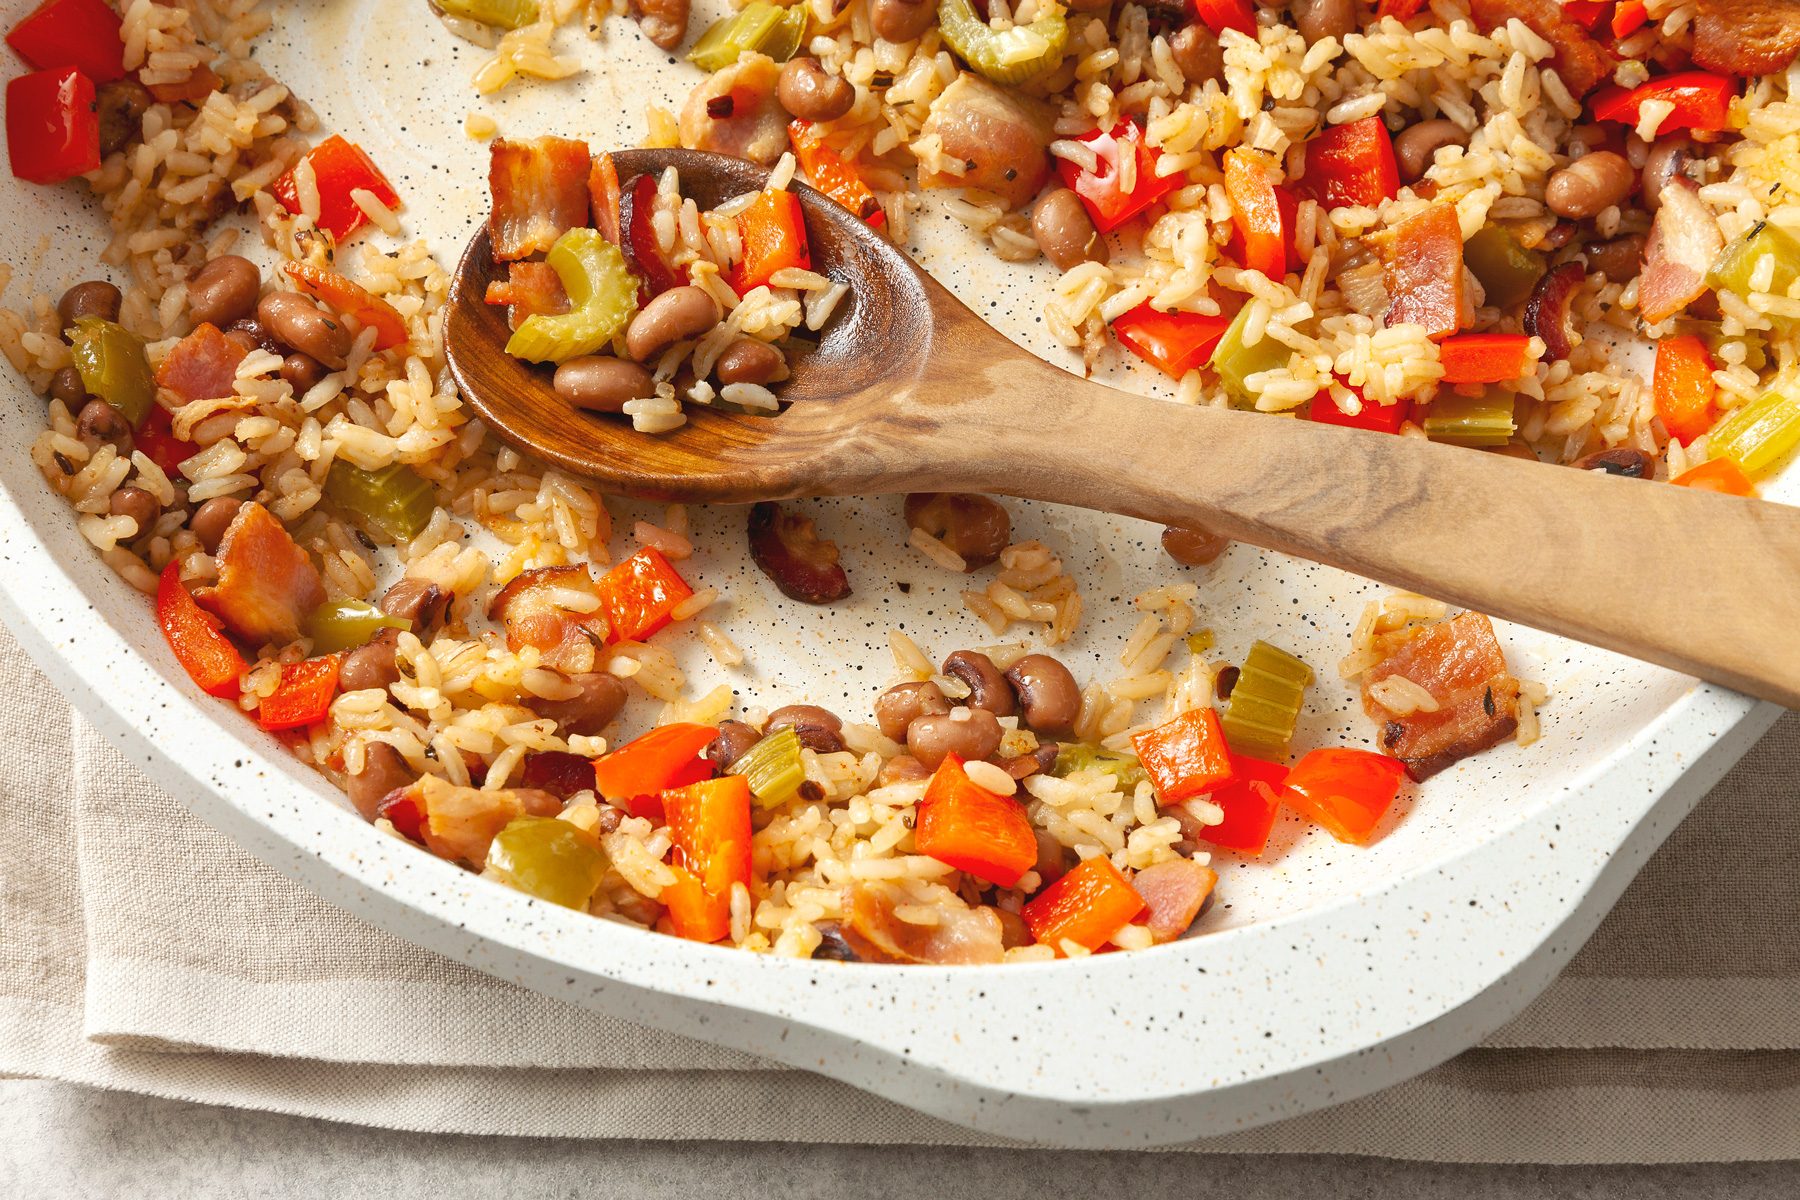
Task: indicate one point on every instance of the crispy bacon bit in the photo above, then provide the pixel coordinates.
(534, 615)
(1547, 313)
(460, 823)
(1747, 37)
(1461, 664)
(267, 584)
(1582, 63)
(540, 192)
(1001, 140)
(530, 289)
(961, 935)
(202, 366)
(753, 126)
(1423, 271)
(1174, 892)
(1684, 243)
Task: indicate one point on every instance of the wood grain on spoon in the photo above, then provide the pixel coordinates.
(908, 390)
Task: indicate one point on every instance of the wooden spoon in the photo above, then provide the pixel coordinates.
(909, 391)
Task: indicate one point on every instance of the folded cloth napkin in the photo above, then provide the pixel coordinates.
(140, 950)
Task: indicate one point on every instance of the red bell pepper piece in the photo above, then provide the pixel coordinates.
(353, 299)
(1220, 15)
(636, 774)
(207, 655)
(1424, 272)
(1087, 906)
(303, 697)
(710, 824)
(1352, 165)
(1586, 13)
(1702, 101)
(1404, 10)
(1256, 211)
(638, 595)
(774, 239)
(1346, 791)
(1486, 357)
(1717, 475)
(1382, 418)
(402, 809)
(1107, 202)
(1629, 17)
(52, 133)
(833, 174)
(1684, 387)
(603, 189)
(1249, 802)
(1175, 341)
(156, 438)
(339, 167)
(83, 34)
(972, 829)
(1186, 757)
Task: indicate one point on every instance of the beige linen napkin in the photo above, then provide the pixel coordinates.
(140, 950)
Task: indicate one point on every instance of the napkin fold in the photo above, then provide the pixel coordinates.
(141, 950)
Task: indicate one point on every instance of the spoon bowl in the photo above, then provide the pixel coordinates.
(907, 390)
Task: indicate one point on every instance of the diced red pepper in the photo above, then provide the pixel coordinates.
(603, 190)
(303, 697)
(1629, 17)
(637, 228)
(1107, 202)
(833, 174)
(638, 595)
(339, 167)
(1346, 791)
(1586, 13)
(1175, 341)
(52, 133)
(1249, 802)
(1382, 418)
(774, 239)
(1220, 15)
(156, 438)
(1352, 165)
(1256, 211)
(352, 299)
(972, 829)
(636, 774)
(207, 655)
(1684, 387)
(1717, 475)
(1702, 101)
(1087, 906)
(1486, 357)
(404, 811)
(709, 822)
(1423, 270)
(84, 34)
(1404, 10)
(1186, 757)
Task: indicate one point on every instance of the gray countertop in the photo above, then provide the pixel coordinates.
(63, 1140)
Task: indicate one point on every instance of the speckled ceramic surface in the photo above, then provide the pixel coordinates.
(1330, 971)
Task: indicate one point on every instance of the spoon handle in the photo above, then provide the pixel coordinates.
(1705, 583)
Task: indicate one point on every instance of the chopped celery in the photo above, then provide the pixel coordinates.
(1235, 362)
(602, 292)
(1200, 641)
(346, 624)
(1507, 270)
(1006, 56)
(758, 27)
(1760, 433)
(1738, 266)
(1485, 420)
(772, 768)
(395, 500)
(1265, 702)
(506, 14)
(111, 361)
(550, 859)
(1074, 757)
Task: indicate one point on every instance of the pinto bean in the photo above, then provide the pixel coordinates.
(224, 290)
(988, 688)
(818, 729)
(1053, 858)
(371, 665)
(1666, 160)
(1196, 51)
(1035, 762)
(66, 386)
(302, 325)
(602, 383)
(748, 360)
(592, 709)
(1416, 145)
(813, 94)
(120, 106)
(1193, 546)
(734, 741)
(976, 527)
(302, 372)
(900, 705)
(1065, 232)
(1047, 693)
(902, 768)
(787, 549)
(384, 769)
(251, 329)
(1320, 19)
(1620, 259)
(679, 313)
(969, 733)
(664, 22)
(91, 298)
(136, 503)
(1620, 460)
(211, 520)
(100, 422)
(424, 604)
(1589, 185)
(901, 20)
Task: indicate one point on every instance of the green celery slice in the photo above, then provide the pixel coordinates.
(1738, 264)
(1200, 641)
(1760, 433)
(1009, 56)
(346, 624)
(1075, 757)
(396, 500)
(1265, 702)
(1507, 270)
(113, 366)
(758, 27)
(1234, 362)
(602, 294)
(1485, 420)
(550, 859)
(772, 768)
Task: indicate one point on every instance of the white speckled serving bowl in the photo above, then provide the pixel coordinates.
(1331, 970)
